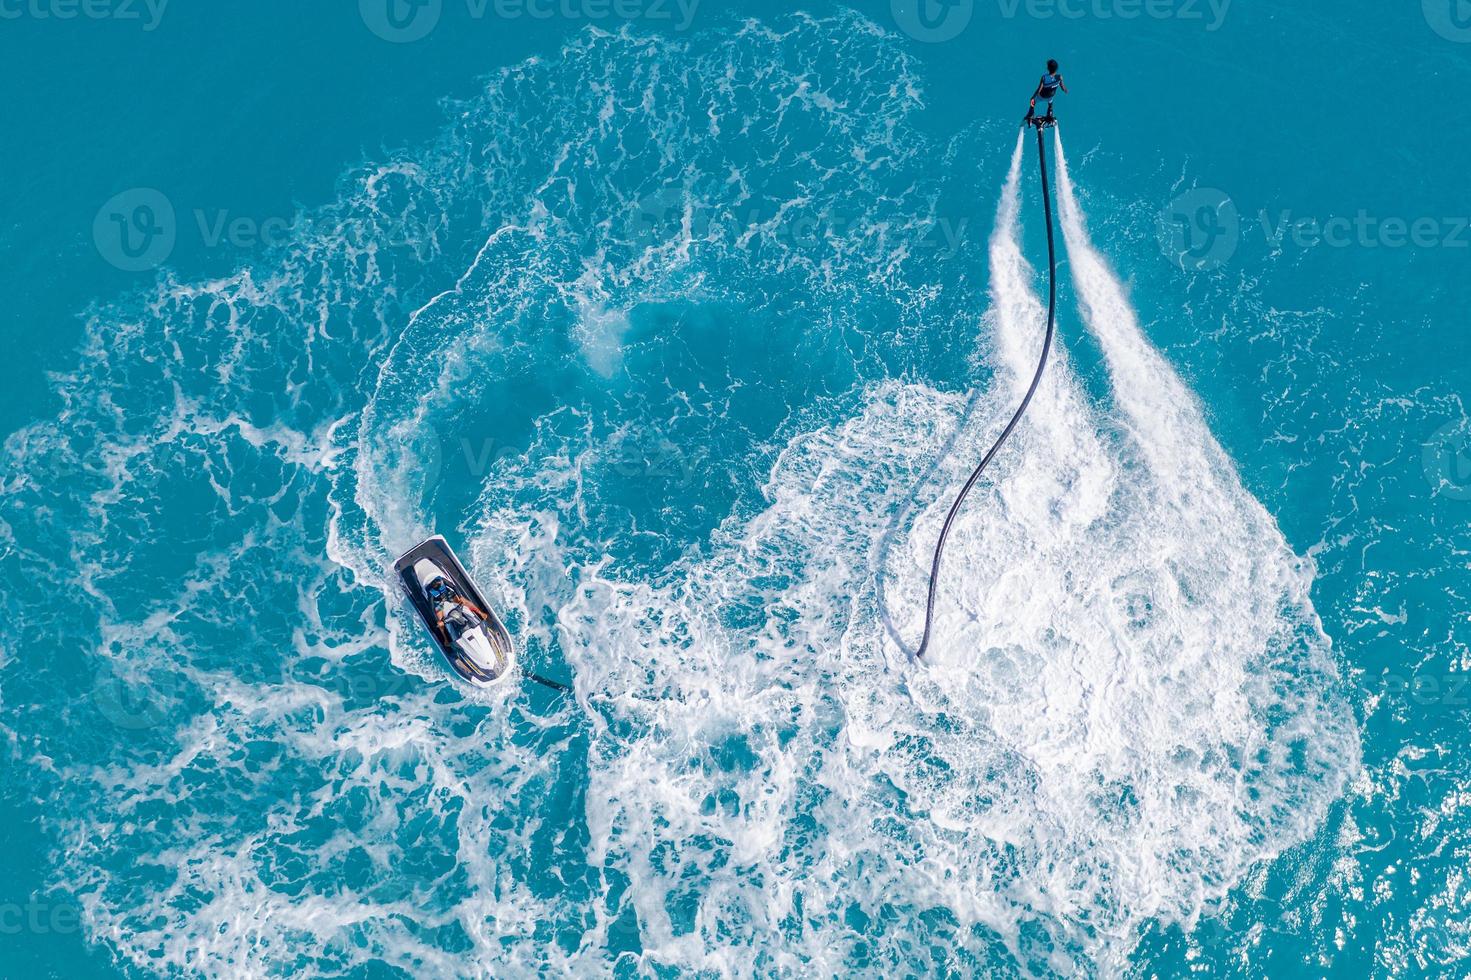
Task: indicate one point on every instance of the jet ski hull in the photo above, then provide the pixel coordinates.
(482, 655)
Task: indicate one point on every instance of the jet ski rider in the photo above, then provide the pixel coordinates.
(1047, 89)
(442, 593)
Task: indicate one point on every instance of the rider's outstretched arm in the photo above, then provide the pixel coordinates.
(1062, 85)
(470, 606)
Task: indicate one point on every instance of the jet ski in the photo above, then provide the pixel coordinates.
(458, 618)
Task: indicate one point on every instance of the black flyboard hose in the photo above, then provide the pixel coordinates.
(929, 611)
(548, 682)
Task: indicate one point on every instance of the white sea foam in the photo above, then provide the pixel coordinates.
(1130, 701)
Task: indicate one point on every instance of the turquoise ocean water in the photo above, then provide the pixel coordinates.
(683, 323)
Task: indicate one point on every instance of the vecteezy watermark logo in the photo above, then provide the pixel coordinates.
(401, 21)
(1447, 460)
(932, 21)
(131, 707)
(410, 454)
(1200, 229)
(657, 217)
(136, 230)
(1451, 19)
(149, 13)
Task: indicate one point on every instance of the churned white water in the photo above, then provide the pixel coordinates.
(699, 462)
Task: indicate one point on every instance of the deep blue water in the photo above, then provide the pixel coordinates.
(665, 319)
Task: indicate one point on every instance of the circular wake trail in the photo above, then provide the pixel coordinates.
(1128, 705)
(1131, 702)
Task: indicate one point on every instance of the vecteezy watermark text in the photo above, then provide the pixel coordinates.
(1202, 228)
(148, 13)
(934, 21)
(1210, 13)
(1451, 690)
(137, 230)
(39, 918)
(406, 21)
(1365, 230)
